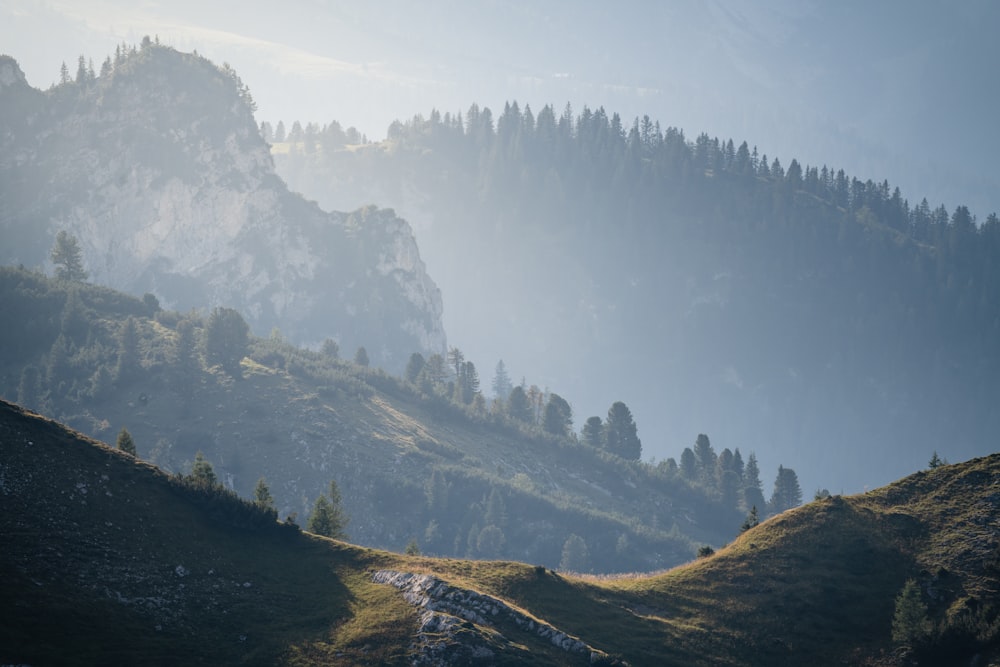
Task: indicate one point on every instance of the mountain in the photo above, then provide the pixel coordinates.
(108, 560)
(791, 309)
(157, 168)
(411, 462)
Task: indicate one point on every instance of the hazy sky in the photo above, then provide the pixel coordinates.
(902, 90)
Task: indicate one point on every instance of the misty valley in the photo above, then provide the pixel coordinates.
(539, 386)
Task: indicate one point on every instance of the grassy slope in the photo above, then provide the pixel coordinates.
(97, 569)
(93, 545)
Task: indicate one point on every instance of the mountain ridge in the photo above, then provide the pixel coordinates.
(151, 569)
(159, 171)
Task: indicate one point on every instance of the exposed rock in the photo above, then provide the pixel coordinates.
(446, 607)
(160, 172)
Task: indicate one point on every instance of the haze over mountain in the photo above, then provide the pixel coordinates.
(157, 168)
(896, 89)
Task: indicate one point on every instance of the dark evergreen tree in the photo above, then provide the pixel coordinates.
(202, 473)
(558, 418)
(227, 336)
(620, 432)
(125, 442)
(262, 495)
(753, 519)
(518, 407)
(593, 432)
(705, 457)
(910, 625)
(68, 258)
(689, 465)
(787, 493)
(753, 488)
(361, 357)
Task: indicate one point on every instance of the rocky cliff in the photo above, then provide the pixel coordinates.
(158, 169)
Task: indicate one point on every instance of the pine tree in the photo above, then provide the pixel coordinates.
(321, 518)
(910, 624)
(620, 432)
(125, 442)
(593, 432)
(705, 457)
(68, 258)
(518, 407)
(753, 489)
(202, 474)
(689, 465)
(753, 519)
(558, 419)
(361, 357)
(227, 337)
(262, 495)
(787, 493)
(328, 517)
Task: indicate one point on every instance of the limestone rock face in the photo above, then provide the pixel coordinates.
(158, 168)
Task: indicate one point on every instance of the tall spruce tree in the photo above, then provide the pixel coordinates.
(787, 493)
(68, 258)
(620, 432)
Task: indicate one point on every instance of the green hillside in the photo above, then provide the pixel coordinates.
(411, 463)
(108, 560)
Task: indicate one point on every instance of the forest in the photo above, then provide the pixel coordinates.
(124, 369)
(784, 305)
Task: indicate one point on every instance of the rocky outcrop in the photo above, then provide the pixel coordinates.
(452, 619)
(158, 168)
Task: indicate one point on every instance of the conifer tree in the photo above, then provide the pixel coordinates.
(593, 432)
(125, 442)
(68, 258)
(227, 336)
(620, 432)
(558, 419)
(361, 357)
(753, 489)
(518, 407)
(753, 519)
(327, 517)
(910, 624)
(262, 495)
(787, 493)
(202, 474)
